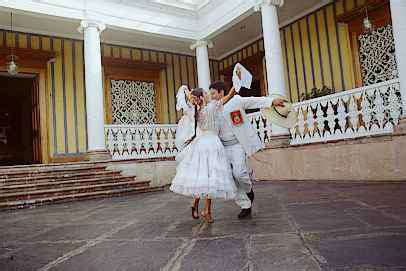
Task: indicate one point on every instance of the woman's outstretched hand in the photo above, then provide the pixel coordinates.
(230, 95)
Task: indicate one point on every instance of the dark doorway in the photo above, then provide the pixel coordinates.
(18, 119)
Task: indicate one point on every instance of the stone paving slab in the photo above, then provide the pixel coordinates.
(228, 253)
(34, 256)
(18, 232)
(281, 252)
(295, 226)
(73, 232)
(123, 255)
(373, 251)
(376, 218)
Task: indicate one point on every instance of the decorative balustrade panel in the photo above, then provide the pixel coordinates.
(141, 141)
(360, 112)
(262, 125)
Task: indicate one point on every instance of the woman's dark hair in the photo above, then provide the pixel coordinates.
(197, 92)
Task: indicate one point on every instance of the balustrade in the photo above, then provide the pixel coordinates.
(364, 111)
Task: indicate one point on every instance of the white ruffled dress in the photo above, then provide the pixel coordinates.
(185, 128)
(203, 169)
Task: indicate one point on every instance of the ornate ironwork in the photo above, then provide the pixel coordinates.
(377, 56)
(133, 102)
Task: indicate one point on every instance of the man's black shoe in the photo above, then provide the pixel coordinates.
(245, 213)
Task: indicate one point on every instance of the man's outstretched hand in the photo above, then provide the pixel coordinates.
(278, 102)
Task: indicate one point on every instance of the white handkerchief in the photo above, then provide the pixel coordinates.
(241, 77)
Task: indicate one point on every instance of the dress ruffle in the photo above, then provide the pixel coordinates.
(203, 170)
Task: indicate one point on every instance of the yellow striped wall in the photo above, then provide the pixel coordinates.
(66, 106)
(180, 70)
(316, 51)
(248, 51)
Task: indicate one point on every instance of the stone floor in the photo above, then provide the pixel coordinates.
(296, 226)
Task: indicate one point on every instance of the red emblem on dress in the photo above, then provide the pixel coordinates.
(236, 118)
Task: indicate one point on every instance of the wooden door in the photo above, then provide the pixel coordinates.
(35, 120)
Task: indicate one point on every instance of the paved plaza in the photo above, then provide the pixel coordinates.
(295, 226)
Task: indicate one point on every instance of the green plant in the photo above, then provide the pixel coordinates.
(315, 93)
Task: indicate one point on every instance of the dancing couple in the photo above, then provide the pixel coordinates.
(215, 137)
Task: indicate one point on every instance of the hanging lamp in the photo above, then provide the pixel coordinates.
(368, 27)
(12, 67)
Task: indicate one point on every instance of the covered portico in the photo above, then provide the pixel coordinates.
(124, 42)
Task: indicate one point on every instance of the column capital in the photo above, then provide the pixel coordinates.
(260, 3)
(200, 43)
(88, 23)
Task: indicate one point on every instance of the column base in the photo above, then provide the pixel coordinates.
(401, 128)
(279, 141)
(98, 155)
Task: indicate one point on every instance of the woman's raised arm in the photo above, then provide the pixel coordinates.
(229, 95)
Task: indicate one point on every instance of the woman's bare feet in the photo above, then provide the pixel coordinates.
(207, 217)
(207, 211)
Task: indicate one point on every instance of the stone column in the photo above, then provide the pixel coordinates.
(203, 65)
(273, 58)
(398, 11)
(94, 90)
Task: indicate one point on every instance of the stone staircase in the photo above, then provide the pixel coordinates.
(25, 186)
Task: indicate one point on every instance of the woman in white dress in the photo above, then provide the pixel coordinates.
(203, 170)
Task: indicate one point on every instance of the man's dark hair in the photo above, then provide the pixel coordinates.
(219, 86)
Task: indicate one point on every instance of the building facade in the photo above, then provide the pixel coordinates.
(325, 46)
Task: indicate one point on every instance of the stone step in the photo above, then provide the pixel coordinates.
(49, 184)
(50, 170)
(69, 190)
(74, 175)
(17, 204)
(54, 165)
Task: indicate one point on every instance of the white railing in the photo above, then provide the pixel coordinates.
(158, 141)
(141, 141)
(262, 125)
(355, 113)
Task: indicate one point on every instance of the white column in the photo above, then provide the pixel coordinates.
(203, 65)
(398, 11)
(94, 85)
(273, 52)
